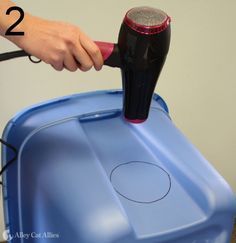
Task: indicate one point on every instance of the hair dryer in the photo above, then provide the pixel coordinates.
(141, 51)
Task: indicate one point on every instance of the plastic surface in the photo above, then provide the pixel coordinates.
(84, 174)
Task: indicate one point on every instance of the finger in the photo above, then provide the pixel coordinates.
(58, 66)
(84, 61)
(93, 51)
(70, 62)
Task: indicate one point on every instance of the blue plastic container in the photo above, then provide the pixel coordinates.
(85, 175)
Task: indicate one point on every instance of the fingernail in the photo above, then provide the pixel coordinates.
(98, 68)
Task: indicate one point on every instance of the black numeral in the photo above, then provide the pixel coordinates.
(22, 14)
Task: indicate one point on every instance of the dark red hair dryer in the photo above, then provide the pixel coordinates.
(141, 51)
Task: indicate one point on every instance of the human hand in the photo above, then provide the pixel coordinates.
(60, 44)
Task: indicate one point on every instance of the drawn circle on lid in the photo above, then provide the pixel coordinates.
(141, 182)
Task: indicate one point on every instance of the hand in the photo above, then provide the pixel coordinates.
(60, 44)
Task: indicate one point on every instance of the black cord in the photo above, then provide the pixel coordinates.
(5, 167)
(9, 55)
(4, 57)
(15, 54)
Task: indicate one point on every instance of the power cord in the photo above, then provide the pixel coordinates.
(5, 167)
(4, 57)
(15, 54)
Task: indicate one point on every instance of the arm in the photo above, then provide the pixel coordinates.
(57, 43)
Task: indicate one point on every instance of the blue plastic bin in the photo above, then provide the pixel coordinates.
(85, 175)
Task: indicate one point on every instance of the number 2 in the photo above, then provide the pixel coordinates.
(22, 14)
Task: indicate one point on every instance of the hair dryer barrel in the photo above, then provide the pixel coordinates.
(144, 41)
(142, 48)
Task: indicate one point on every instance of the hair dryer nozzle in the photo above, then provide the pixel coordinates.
(135, 121)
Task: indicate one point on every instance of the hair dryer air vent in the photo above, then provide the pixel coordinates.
(147, 20)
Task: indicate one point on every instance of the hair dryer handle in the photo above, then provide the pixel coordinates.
(110, 53)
